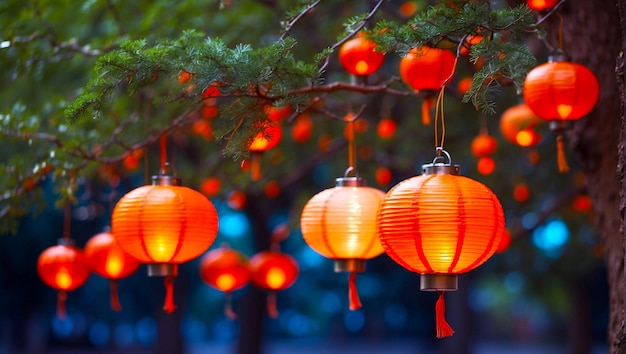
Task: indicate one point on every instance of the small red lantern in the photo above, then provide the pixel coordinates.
(484, 145)
(561, 92)
(273, 271)
(302, 129)
(427, 69)
(340, 223)
(359, 56)
(63, 267)
(540, 5)
(164, 225)
(226, 270)
(266, 139)
(440, 224)
(109, 261)
(386, 128)
(518, 125)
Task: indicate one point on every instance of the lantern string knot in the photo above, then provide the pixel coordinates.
(115, 299)
(353, 294)
(61, 297)
(169, 305)
(228, 306)
(560, 154)
(443, 328)
(272, 309)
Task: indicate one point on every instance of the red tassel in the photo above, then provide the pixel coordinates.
(228, 306)
(255, 166)
(115, 299)
(272, 309)
(427, 105)
(169, 306)
(443, 328)
(353, 293)
(61, 297)
(560, 154)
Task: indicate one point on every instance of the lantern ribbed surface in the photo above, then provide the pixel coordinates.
(560, 90)
(225, 269)
(427, 68)
(164, 223)
(340, 222)
(107, 259)
(440, 223)
(63, 267)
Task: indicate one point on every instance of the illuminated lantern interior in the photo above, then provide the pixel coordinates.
(359, 56)
(273, 271)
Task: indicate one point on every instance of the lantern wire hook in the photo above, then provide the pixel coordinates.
(349, 170)
(439, 158)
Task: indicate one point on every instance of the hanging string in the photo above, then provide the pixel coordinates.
(272, 309)
(61, 297)
(163, 151)
(169, 305)
(350, 136)
(561, 160)
(439, 116)
(228, 306)
(115, 299)
(442, 326)
(353, 294)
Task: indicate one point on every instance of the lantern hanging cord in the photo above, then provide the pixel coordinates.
(163, 143)
(350, 137)
(440, 114)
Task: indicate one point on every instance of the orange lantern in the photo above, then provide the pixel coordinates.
(540, 5)
(427, 69)
(484, 145)
(109, 261)
(273, 271)
(386, 128)
(266, 139)
(226, 270)
(340, 223)
(359, 56)
(440, 224)
(164, 225)
(561, 92)
(63, 267)
(518, 125)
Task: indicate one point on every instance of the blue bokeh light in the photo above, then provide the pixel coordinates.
(330, 302)
(194, 330)
(551, 238)
(396, 316)
(146, 331)
(62, 328)
(308, 258)
(123, 335)
(354, 321)
(514, 282)
(99, 334)
(234, 225)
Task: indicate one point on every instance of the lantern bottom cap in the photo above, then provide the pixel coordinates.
(349, 265)
(438, 282)
(162, 270)
(559, 125)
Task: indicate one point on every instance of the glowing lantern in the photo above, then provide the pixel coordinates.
(359, 56)
(540, 5)
(273, 271)
(226, 270)
(427, 69)
(486, 165)
(464, 85)
(63, 267)
(561, 92)
(267, 138)
(440, 224)
(164, 225)
(483, 145)
(382, 176)
(107, 259)
(518, 125)
(302, 128)
(386, 128)
(340, 223)
(211, 186)
(521, 192)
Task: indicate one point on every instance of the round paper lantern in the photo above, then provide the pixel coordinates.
(518, 125)
(386, 128)
(561, 92)
(226, 270)
(340, 223)
(359, 56)
(265, 140)
(427, 69)
(107, 259)
(440, 224)
(164, 225)
(273, 271)
(63, 267)
(540, 5)
(484, 145)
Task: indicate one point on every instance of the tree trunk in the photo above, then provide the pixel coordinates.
(593, 36)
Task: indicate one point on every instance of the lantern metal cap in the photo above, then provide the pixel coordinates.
(65, 241)
(162, 270)
(164, 179)
(557, 57)
(438, 282)
(346, 181)
(439, 167)
(559, 125)
(349, 265)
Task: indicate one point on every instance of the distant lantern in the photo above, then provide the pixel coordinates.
(227, 270)
(540, 5)
(164, 225)
(426, 70)
(519, 124)
(440, 224)
(270, 135)
(107, 259)
(273, 271)
(561, 92)
(359, 56)
(63, 267)
(482, 147)
(340, 223)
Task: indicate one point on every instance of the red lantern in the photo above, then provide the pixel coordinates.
(440, 224)
(359, 56)
(340, 223)
(484, 145)
(266, 139)
(540, 5)
(302, 129)
(518, 125)
(109, 261)
(164, 225)
(273, 271)
(560, 92)
(427, 69)
(226, 270)
(386, 128)
(63, 267)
